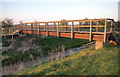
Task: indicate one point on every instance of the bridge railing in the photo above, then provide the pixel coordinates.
(86, 26)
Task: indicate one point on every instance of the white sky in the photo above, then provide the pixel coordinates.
(50, 10)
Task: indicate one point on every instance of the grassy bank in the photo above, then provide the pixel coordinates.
(46, 44)
(90, 62)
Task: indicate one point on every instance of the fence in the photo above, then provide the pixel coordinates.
(89, 45)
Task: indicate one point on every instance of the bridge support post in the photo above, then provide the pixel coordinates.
(58, 35)
(38, 28)
(99, 44)
(90, 37)
(47, 29)
(31, 28)
(97, 27)
(72, 31)
(25, 29)
(105, 28)
(111, 26)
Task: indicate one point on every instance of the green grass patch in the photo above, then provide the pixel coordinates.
(47, 44)
(89, 62)
(5, 43)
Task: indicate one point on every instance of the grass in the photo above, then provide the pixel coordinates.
(47, 44)
(5, 43)
(90, 62)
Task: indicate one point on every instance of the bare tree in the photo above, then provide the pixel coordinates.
(6, 22)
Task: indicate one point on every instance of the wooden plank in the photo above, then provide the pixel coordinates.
(52, 33)
(98, 37)
(90, 37)
(89, 26)
(71, 21)
(105, 31)
(43, 32)
(62, 34)
(81, 36)
(72, 31)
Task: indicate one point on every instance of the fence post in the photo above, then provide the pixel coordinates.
(79, 26)
(25, 29)
(21, 28)
(90, 37)
(54, 26)
(58, 30)
(31, 28)
(97, 27)
(72, 31)
(38, 28)
(105, 30)
(111, 26)
(46, 29)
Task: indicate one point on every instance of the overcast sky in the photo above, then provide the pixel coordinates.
(50, 10)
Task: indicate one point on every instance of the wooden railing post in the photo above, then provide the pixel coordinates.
(111, 26)
(25, 29)
(79, 26)
(54, 26)
(97, 27)
(65, 26)
(46, 29)
(90, 37)
(19, 26)
(58, 35)
(72, 30)
(105, 31)
(31, 28)
(38, 28)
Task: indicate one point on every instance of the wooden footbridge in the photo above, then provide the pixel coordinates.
(92, 29)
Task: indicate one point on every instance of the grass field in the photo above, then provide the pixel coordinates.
(46, 44)
(90, 62)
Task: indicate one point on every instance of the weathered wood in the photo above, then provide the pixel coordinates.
(54, 26)
(31, 28)
(38, 25)
(58, 30)
(46, 24)
(79, 26)
(99, 44)
(51, 29)
(19, 26)
(25, 29)
(97, 27)
(90, 37)
(111, 26)
(72, 26)
(105, 31)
